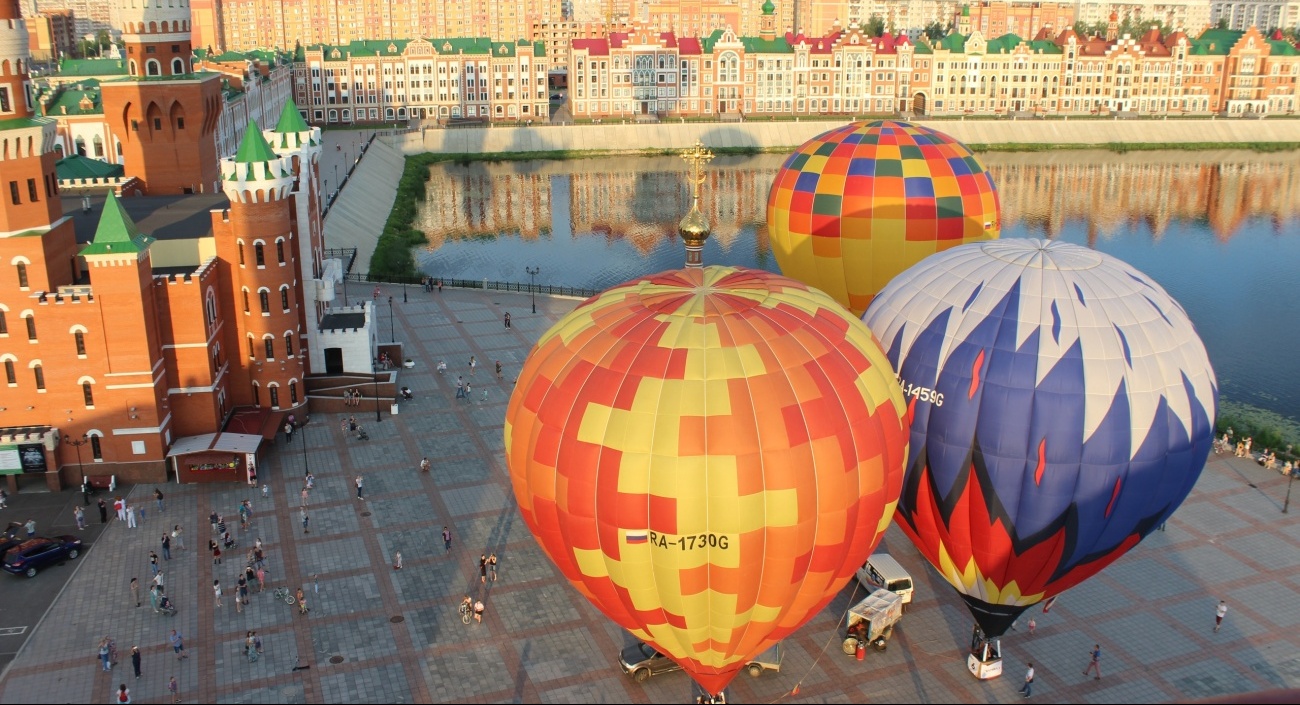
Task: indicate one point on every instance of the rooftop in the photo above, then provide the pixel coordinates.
(343, 321)
(161, 217)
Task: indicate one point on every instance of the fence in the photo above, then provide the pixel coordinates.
(484, 284)
(347, 254)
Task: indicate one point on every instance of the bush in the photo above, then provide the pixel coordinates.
(1269, 430)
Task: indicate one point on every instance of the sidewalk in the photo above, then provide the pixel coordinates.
(379, 635)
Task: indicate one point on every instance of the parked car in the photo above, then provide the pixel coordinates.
(641, 661)
(31, 555)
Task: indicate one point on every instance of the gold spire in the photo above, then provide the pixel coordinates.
(694, 228)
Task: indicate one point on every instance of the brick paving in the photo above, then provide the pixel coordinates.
(379, 635)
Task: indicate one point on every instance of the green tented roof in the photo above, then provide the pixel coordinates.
(290, 119)
(1003, 44)
(253, 147)
(79, 167)
(1042, 46)
(116, 232)
(1216, 42)
(1281, 47)
(923, 47)
(954, 43)
(92, 67)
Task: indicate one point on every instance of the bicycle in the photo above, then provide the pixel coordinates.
(464, 613)
(281, 593)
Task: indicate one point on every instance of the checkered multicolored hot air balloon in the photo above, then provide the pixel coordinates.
(855, 206)
(707, 455)
(1062, 408)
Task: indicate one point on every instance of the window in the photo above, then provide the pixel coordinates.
(288, 344)
(250, 348)
(270, 348)
(245, 293)
(241, 254)
(4, 325)
(157, 124)
(22, 274)
(178, 67)
(275, 397)
(284, 298)
(264, 297)
(13, 192)
(40, 377)
(31, 327)
(180, 123)
(11, 375)
(87, 395)
(95, 450)
(31, 190)
(259, 254)
(293, 393)
(279, 250)
(81, 343)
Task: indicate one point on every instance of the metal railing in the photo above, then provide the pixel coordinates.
(483, 284)
(347, 254)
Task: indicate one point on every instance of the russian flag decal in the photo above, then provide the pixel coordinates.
(636, 537)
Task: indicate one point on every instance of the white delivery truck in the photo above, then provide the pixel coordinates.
(882, 571)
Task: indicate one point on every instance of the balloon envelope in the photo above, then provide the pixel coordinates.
(1062, 408)
(707, 455)
(855, 206)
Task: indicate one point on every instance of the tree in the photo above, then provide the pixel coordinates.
(936, 31)
(1222, 23)
(875, 26)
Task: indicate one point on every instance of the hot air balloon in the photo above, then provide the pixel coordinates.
(855, 206)
(1062, 408)
(707, 455)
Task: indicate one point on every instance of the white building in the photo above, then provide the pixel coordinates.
(1264, 14)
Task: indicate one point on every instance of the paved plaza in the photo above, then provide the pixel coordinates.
(379, 635)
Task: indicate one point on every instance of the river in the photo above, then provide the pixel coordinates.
(1219, 230)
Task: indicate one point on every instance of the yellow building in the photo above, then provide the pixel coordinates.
(418, 79)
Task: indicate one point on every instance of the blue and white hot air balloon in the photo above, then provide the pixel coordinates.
(1062, 408)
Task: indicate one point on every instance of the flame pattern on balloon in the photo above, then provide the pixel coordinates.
(1062, 408)
(707, 455)
(855, 206)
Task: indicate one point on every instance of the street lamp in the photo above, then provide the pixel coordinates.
(79, 442)
(392, 332)
(532, 285)
(378, 418)
(336, 173)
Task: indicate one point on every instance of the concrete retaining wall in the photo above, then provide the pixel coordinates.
(358, 215)
(790, 134)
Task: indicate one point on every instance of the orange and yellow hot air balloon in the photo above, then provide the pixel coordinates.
(707, 455)
(855, 206)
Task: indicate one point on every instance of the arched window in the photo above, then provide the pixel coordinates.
(245, 293)
(135, 70)
(210, 309)
(241, 254)
(99, 147)
(80, 143)
(88, 395)
(80, 339)
(4, 324)
(270, 348)
(275, 396)
(264, 297)
(96, 451)
(259, 254)
(284, 298)
(22, 274)
(152, 68)
(288, 344)
(251, 355)
(31, 326)
(39, 373)
(178, 67)
(279, 250)
(11, 375)
(293, 393)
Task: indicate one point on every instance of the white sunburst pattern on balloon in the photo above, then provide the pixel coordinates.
(1125, 325)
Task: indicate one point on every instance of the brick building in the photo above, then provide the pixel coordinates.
(52, 34)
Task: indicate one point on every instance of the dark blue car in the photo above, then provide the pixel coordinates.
(31, 555)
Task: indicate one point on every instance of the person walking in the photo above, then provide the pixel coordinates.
(473, 364)
(216, 591)
(158, 581)
(31, 528)
(167, 547)
(135, 661)
(499, 368)
(305, 520)
(446, 540)
(175, 689)
(215, 519)
(216, 552)
(135, 591)
(492, 566)
(178, 645)
(397, 561)
(507, 319)
(360, 488)
(261, 579)
(302, 602)
(482, 568)
(153, 563)
(1095, 663)
(1028, 688)
(103, 511)
(139, 513)
(178, 537)
(104, 655)
(80, 514)
(478, 611)
(130, 517)
(302, 497)
(1032, 626)
(241, 593)
(1219, 612)
(153, 598)
(158, 495)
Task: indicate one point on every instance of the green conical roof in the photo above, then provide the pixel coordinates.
(769, 8)
(116, 232)
(290, 120)
(253, 148)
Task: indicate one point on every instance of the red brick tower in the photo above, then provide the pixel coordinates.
(257, 240)
(293, 139)
(164, 115)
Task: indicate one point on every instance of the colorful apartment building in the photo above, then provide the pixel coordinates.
(52, 34)
(425, 79)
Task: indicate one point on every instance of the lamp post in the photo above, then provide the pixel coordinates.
(378, 418)
(79, 442)
(336, 174)
(404, 299)
(532, 285)
(392, 332)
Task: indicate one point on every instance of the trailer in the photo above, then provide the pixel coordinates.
(872, 621)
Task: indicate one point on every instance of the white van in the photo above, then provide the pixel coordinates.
(882, 571)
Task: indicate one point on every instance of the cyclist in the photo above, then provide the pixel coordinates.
(466, 606)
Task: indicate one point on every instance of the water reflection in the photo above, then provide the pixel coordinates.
(1218, 230)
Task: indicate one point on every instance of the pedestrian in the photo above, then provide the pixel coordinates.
(303, 497)
(241, 593)
(478, 611)
(31, 528)
(104, 654)
(343, 425)
(158, 580)
(216, 591)
(85, 493)
(80, 514)
(135, 661)
(352, 424)
(216, 552)
(288, 433)
(1028, 687)
(175, 689)
(158, 495)
(258, 555)
(424, 464)
(4, 499)
(439, 286)
(214, 518)
(178, 537)
(1219, 613)
(472, 365)
(507, 319)
(360, 489)
(123, 694)
(139, 512)
(178, 645)
(446, 540)
(460, 387)
(119, 506)
(135, 591)
(305, 520)
(315, 584)
(153, 597)
(153, 563)
(311, 481)
(397, 561)
(266, 491)
(492, 566)
(302, 602)
(1095, 663)
(130, 517)
(498, 369)
(167, 547)
(1032, 626)
(482, 568)
(103, 511)
(261, 579)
